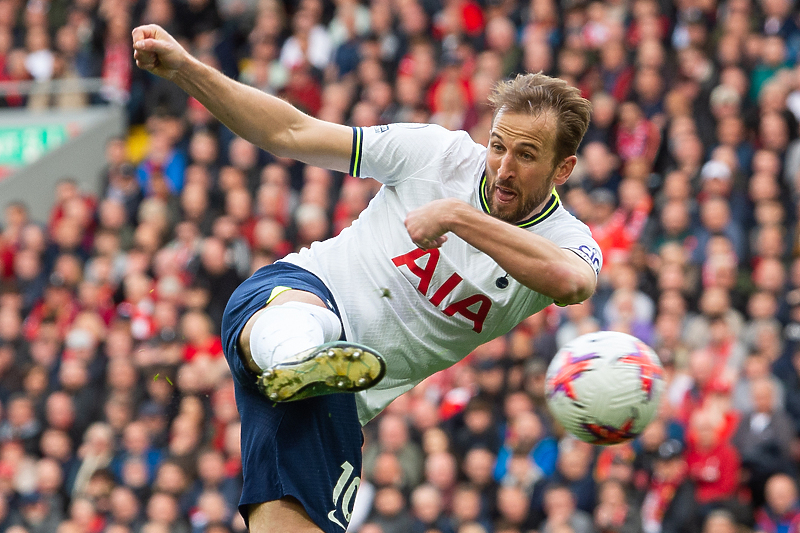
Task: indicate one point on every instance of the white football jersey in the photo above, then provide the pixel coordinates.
(425, 310)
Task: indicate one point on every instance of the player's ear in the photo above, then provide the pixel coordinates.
(564, 169)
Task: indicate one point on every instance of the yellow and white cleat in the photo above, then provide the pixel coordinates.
(327, 369)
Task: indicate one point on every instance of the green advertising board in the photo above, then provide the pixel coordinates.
(20, 146)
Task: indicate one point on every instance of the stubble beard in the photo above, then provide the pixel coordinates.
(528, 206)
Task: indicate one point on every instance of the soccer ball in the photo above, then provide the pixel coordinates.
(604, 387)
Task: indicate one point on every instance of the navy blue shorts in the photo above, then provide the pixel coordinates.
(309, 449)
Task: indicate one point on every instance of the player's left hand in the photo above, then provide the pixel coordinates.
(427, 226)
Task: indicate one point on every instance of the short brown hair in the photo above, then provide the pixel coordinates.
(537, 93)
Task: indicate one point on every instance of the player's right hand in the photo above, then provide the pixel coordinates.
(157, 51)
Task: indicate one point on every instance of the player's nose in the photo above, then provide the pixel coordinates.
(506, 168)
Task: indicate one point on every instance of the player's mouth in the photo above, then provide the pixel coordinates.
(504, 195)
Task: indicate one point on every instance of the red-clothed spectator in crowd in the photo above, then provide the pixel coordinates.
(637, 137)
(58, 305)
(712, 460)
(617, 234)
(197, 329)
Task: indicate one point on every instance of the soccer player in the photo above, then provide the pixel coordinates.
(460, 245)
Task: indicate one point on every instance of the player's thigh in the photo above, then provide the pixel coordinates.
(286, 515)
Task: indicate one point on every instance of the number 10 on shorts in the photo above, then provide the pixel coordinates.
(347, 499)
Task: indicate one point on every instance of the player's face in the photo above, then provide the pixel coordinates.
(520, 166)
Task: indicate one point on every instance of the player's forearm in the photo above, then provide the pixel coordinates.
(534, 261)
(262, 119)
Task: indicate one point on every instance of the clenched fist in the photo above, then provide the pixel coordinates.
(157, 51)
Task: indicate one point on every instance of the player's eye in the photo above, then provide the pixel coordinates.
(527, 156)
(497, 147)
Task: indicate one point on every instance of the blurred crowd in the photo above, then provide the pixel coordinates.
(117, 412)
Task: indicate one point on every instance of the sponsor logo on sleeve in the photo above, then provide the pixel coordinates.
(590, 254)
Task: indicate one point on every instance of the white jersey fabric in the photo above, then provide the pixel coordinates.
(425, 310)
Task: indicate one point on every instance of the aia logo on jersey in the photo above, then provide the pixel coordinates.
(474, 308)
(572, 368)
(648, 370)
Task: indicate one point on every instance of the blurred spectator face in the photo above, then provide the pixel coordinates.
(213, 256)
(500, 35)
(762, 392)
(720, 522)
(211, 467)
(184, 436)
(466, 504)
(513, 504)
(526, 431)
(669, 470)
(769, 275)
(599, 161)
(98, 441)
(426, 503)
(49, 476)
(537, 56)
(118, 412)
(134, 473)
(170, 478)
(701, 367)
(559, 505)
(424, 415)
(649, 84)
(135, 440)
(763, 187)
(762, 305)
(675, 218)
(389, 502)
(773, 132)
(729, 49)
(612, 495)
(56, 444)
(194, 201)
(772, 98)
(766, 162)
(60, 411)
(82, 512)
(435, 440)
(705, 426)
(781, 494)
(715, 214)
(212, 505)
(162, 508)
(730, 131)
(388, 471)
(478, 419)
(238, 204)
(676, 186)
(125, 505)
(203, 148)
(10, 323)
(773, 51)
(392, 433)
(73, 375)
(122, 375)
(771, 242)
(574, 461)
(441, 470)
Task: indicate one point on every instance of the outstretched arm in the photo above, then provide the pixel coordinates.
(536, 262)
(264, 120)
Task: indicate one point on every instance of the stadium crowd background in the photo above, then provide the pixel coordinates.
(117, 411)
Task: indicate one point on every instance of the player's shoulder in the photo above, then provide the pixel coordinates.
(430, 135)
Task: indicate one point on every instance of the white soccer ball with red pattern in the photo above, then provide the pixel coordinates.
(604, 387)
